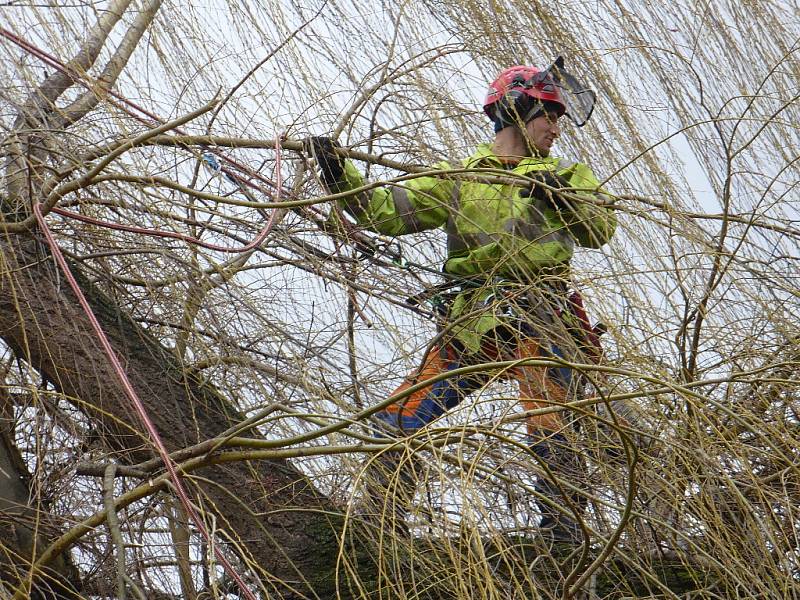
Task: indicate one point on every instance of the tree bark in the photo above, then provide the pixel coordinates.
(288, 529)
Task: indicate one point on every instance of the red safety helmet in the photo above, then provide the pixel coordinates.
(514, 83)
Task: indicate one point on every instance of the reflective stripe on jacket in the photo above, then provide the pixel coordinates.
(492, 231)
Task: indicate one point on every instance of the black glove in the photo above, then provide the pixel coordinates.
(331, 165)
(552, 197)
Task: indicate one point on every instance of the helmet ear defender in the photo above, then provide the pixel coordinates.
(514, 108)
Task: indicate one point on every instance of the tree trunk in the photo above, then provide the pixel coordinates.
(271, 508)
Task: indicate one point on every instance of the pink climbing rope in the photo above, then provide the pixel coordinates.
(128, 387)
(136, 401)
(105, 343)
(128, 106)
(257, 241)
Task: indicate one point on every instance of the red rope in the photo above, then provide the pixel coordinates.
(80, 78)
(104, 342)
(136, 401)
(124, 102)
(125, 382)
(187, 238)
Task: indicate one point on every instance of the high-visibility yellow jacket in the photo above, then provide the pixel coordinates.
(493, 233)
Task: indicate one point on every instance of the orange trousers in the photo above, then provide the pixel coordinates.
(539, 387)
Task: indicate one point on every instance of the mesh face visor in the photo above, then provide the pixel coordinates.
(578, 98)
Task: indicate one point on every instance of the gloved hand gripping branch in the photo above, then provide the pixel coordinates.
(552, 197)
(331, 164)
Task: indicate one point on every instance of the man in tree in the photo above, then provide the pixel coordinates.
(512, 222)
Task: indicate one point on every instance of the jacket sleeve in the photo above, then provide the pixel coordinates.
(417, 204)
(591, 225)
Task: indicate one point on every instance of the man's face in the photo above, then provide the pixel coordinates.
(543, 131)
